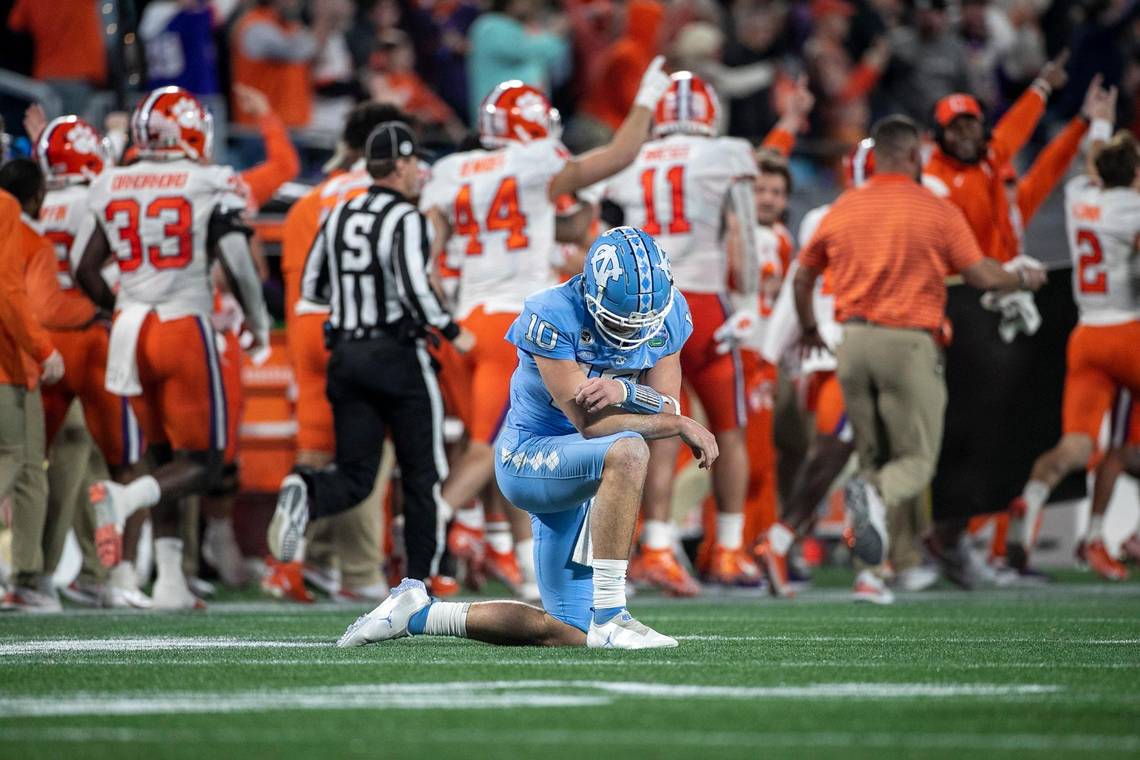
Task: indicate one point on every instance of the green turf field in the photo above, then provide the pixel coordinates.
(1044, 672)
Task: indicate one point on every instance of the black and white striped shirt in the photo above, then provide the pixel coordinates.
(370, 265)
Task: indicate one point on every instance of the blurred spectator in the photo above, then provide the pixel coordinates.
(335, 85)
(843, 84)
(505, 44)
(760, 38)
(928, 62)
(1099, 45)
(616, 78)
(180, 50)
(439, 30)
(699, 48)
(1000, 46)
(69, 51)
(272, 51)
(393, 80)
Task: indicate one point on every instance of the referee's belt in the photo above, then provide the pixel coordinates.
(405, 333)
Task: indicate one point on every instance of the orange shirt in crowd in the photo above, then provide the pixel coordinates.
(20, 334)
(281, 162)
(287, 84)
(617, 76)
(888, 247)
(978, 188)
(68, 38)
(405, 90)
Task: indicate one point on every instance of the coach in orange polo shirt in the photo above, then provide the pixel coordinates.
(889, 247)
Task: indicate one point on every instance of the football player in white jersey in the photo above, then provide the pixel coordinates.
(680, 189)
(1102, 214)
(164, 220)
(494, 208)
(72, 154)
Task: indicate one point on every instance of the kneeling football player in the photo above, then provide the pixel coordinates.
(598, 375)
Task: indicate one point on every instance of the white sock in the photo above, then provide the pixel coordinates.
(498, 537)
(1096, 528)
(142, 493)
(780, 538)
(1035, 494)
(123, 575)
(657, 535)
(524, 553)
(470, 518)
(609, 583)
(168, 559)
(730, 530)
(447, 619)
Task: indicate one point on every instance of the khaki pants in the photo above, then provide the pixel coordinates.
(895, 394)
(22, 474)
(68, 476)
(351, 540)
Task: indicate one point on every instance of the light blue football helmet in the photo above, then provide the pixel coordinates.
(628, 287)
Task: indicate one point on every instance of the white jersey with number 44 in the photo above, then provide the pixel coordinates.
(677, 191)
(498, 205)
(1104, 237)
(156, 216)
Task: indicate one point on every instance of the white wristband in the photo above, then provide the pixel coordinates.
(676, 404)
(1100, 130)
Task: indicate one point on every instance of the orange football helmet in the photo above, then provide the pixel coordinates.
(689, 106)
(70, 151)
(859, 164)
(517, 112)
(171, 123)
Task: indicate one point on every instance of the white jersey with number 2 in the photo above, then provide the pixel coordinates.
(498, 205)
(1103, 228)
(677, 190)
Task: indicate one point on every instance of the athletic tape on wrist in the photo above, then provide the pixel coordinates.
(641, 399)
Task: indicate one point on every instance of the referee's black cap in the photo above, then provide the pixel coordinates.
(392, 140)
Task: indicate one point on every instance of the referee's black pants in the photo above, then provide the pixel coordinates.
(376, 387)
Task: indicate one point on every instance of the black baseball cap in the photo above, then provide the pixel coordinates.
(391, 140)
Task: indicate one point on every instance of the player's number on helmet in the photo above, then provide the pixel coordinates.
(504, 215)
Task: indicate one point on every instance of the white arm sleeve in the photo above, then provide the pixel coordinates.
(236, 258)
(744, 207)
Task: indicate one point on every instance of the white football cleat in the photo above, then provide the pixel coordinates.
(122, 589)
(287, 528)
(622, 631)
(390, 619)
(868, 520)
(870, 588)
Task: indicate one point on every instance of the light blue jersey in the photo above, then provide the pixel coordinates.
(542, 463)
(554, 324)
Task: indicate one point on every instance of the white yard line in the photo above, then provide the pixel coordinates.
(481, 695)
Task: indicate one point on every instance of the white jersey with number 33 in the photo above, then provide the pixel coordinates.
(498, 205)
(1104, 237)
(677, 190)
(156, 217)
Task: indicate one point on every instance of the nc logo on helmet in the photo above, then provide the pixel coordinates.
(606, 265)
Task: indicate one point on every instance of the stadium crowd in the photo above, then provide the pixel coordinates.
(133, 282)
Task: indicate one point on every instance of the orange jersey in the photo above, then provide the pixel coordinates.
(978, 188)
(20, 332)
(56, 308)
(890, 245)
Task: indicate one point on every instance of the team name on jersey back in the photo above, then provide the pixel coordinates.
(502, 221)
(554, 324)
(676, 190)
(63, 214)
(1103, 228)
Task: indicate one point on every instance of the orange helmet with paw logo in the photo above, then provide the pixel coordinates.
(70, 151)
(689, 106)
(171, 123)
(517, 112)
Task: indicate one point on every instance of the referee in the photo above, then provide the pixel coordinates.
(370, 265)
